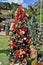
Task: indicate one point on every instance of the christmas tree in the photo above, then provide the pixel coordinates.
(34, 31)
(20, 40)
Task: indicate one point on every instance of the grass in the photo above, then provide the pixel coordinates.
(3, 50)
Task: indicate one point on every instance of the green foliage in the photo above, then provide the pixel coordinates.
(14, 6)
(41, 51)
(30, 61)
(5, 5)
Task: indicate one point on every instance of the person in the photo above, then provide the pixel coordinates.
(3, 27)
(0, 28)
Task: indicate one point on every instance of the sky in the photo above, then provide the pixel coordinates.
(24, 3)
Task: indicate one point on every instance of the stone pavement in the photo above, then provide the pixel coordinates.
(2, 33)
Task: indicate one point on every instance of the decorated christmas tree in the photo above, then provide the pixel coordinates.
(20, 40)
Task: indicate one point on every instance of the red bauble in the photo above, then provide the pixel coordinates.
(18, 31)
(17, 54)
(25, 29)
(12, 44)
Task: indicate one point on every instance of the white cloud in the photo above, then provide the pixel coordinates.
(10, 1)
(24, 5)
(18, 1)
(15, 1)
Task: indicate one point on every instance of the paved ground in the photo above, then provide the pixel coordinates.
(2, 33)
